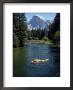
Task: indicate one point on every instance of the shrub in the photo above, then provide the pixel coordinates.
(36, 38)
(29, 38)
(45, 38)
(57, 36)
(25, 39)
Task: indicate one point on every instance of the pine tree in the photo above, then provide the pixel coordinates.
(20, 27)
(54, 27)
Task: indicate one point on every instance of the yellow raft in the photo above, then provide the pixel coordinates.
(39, 60)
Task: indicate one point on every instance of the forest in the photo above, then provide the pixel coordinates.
(21, 34)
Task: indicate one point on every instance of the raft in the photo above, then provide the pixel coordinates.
(40, 60)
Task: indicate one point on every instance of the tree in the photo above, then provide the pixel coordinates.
(55, 26)
(15, 41)
(57, 36)
(20, 27)
(45, 38)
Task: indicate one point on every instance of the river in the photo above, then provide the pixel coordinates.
(23, 56)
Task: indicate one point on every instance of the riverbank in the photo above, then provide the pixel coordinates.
(50, 43)
(44, 42)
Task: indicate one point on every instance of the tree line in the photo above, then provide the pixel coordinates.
(21, 33)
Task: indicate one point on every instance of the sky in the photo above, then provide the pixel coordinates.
(48, 16)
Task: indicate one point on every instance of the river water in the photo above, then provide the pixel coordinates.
(22, 61)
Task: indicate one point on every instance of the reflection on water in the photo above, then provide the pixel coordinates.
(22, 58)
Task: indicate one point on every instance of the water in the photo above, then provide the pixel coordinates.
(22, 58)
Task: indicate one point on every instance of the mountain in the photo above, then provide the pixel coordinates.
(38, 22)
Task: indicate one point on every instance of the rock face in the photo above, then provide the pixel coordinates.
(38, 22)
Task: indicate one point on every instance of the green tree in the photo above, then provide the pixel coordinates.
(20, 27)
(54, 27)
(45, 38)
(15, 41)
(57, 36)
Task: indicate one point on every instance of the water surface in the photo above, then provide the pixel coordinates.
(22, 58)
